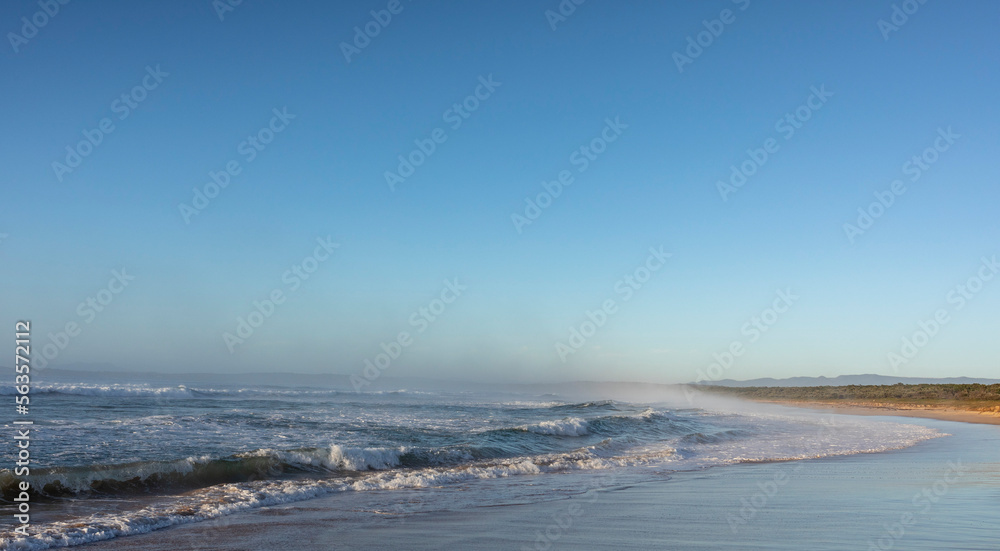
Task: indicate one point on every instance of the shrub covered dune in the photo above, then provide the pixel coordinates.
(974, 397)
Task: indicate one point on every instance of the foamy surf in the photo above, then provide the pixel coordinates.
(332, 442)
(572, 426)
(225, 499)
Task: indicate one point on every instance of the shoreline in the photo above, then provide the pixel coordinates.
(760, 505)
(895, 410)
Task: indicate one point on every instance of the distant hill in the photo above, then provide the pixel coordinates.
(844, 380)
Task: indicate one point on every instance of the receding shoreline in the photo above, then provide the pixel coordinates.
(898, 410)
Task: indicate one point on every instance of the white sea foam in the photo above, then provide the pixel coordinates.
(225, 499)
(571, 426)
(528, 404)
(336, 457)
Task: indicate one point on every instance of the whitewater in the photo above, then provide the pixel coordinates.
(120, 459)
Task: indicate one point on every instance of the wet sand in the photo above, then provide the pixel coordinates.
(941, 494)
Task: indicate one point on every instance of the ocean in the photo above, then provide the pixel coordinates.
(112, 459)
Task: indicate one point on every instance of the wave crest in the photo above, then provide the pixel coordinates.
(571, 426)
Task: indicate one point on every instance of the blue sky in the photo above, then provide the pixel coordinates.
(323, 176)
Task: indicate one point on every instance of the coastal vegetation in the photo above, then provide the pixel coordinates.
(975, 397)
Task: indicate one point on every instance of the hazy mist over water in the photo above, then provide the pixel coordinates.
(461, 275)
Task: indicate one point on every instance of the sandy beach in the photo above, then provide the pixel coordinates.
(898, 410)
(939, 494)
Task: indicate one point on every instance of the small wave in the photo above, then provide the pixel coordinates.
(336, 458)
(600, 405)
(571, 426)
(529, 404)
(225, 499)
(645, 424)
(200, 472)
(713, 437)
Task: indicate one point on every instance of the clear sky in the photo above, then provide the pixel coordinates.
(661, 120)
